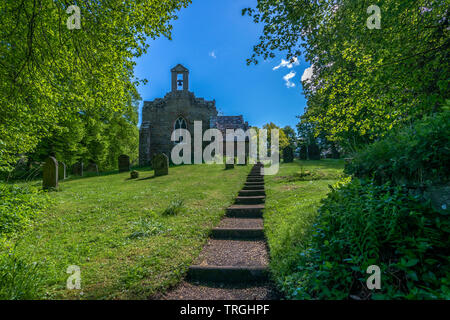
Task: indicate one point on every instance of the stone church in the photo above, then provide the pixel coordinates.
(178, 109)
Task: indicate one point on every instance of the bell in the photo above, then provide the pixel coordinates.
(180, 82)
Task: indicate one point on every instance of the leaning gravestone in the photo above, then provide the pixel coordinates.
(61, 170)
(50, 173)
(77, 169)
(160, 163)
(124, 163)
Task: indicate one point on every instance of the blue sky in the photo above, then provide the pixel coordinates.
(213, 41)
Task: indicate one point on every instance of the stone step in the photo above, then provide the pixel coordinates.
(241, 223)
(245, 211)
(238, 233)
(231, 261)
(250, 199)
(253, 187)
(255, 180)
(228, 274)
(252, 192)
(222, 291)
(250, 183)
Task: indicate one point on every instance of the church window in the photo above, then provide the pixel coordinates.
(180, 123)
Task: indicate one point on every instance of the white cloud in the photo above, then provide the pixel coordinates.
(307, 74)
(213, 54)
(288, 78)
(287, 64)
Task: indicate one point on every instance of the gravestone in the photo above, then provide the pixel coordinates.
(124, 163)
(77, 169)
(160, 163)
(134, 174)
(50, 173)
(61, 171)
(229, 166)
(92, 168)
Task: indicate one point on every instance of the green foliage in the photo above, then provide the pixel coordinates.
(174, 208)
(415, 155)
(288, 154)
(146, 227)
(54, 79)
(291, 209)
(362, 224)
(283, 140)
(291, 136)
(313, 152)
(364, 81)
(19, 205)
(19, 278)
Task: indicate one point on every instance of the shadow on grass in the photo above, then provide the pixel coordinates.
(146, 178)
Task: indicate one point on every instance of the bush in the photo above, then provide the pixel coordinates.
(313, 152)
(288, 154)
(414, 155)
(18, 206)
(363, 224)
(303, 154)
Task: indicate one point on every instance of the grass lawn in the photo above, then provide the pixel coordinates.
(126, 235)
(293, 196)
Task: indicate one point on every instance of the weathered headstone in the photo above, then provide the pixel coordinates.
(229, 166)
(134, 174)
(77, 169)
(124, 163)
(50, 173)
(229, 163)
(61, 170)
(160, 163)
(92, 168)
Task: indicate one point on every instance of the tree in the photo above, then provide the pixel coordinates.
(53, 77)
(291, 136)
(364, 81)
(283, 140)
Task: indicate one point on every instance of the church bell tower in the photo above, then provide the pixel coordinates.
(180, 78)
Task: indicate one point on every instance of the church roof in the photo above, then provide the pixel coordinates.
(229, 122)
(179, 68)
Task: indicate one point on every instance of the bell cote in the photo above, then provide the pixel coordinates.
(180, 78)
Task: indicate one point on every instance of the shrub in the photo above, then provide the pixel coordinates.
(313, 152)
(18, 206)
(303, 154)
(288, 154)
(415, 155)
(362, 224)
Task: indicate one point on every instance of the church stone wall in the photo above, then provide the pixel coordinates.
(158, 118)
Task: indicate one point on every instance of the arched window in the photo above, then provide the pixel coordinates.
(180, 123)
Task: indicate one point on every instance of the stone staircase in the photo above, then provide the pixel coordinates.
(233, 264)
